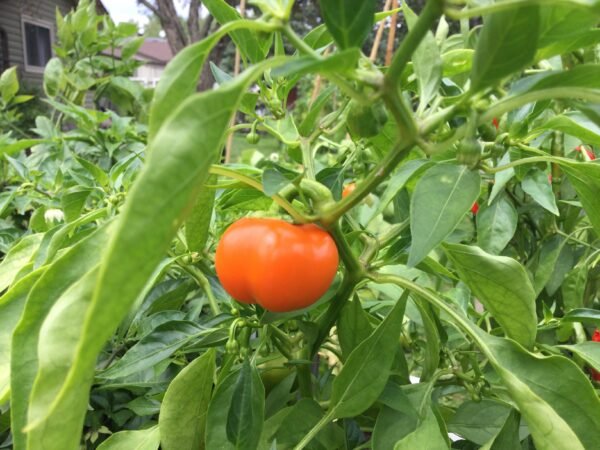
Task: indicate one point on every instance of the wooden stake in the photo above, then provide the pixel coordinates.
(379, 34)
(391, 36)
(236, 72)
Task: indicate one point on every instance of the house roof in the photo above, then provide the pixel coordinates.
(156, 49)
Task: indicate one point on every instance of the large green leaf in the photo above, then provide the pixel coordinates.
(61, 274)
(442, 197)
(479, 422)
(585, 178)
(148, 439)
(17, 257)
(218, 410)
(508, 437)
(246, 412)
(427, 62)
(182, 418)
(353, 327)
(348, 21)
(564, 29)
(176, 169)
(496, 225)
(48, 421)
(365, 373)
(507, 43)
(11, 307)
(554, 396)
(536, 184)
(502, 285)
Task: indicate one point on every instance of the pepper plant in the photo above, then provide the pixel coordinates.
(462, 309)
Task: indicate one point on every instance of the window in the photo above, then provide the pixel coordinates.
(37, 43)
(3, 51)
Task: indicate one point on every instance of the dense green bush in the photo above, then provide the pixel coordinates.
(468, 247)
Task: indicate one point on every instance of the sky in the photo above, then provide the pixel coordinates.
(128, 10)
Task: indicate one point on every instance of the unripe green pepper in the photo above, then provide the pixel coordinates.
(469, 152)
(253, 138)
(488, 132)
(365, 121)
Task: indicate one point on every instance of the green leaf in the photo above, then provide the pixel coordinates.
(61, 274)
(397, 182)
(502, 285)
(148, 439)
(17, 257)
(575, 124)
(348, 21)
(508, 437)
(585, 178)
(337, 63)
(583, 315)
(427, 62)
(9, 84)
(301, 418)
(132, 46)
(99, 175)
(536, 184)
(54, 77)
(365, 373)
(431, 357)
(246, 412)
(72, 203)
(182, 418)
(11, 308)
(152, 349)
(479, 422)
(427, 435)
(549, 253)
(218, 411)
(442, 197)
(198, 223)
(507, 43)
(496, 225)
(573, 288)
(353, 327)
(583, 76)
(552, 393)
(564, 29)
(253, 46)
(589, 351)
(57, 351)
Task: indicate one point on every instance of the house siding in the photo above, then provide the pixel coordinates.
(11, 12)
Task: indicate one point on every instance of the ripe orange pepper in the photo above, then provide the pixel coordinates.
(280, 266)
(348, 189)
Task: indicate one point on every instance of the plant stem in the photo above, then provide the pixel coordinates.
(282, 202)
(307, 159)
(205, 285)
(378, 175)
(519, 162)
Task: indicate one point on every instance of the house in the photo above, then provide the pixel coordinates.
(27, 33)
(154, 54)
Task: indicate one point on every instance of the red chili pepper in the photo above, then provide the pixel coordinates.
(590, 153)
(496, 122)
(475, 208)
(595, 374)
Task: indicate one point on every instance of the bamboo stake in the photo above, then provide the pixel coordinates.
(392, 36)
(236, 72)
(379, 34)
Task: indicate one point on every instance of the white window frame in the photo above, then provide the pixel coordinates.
(39, 23)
